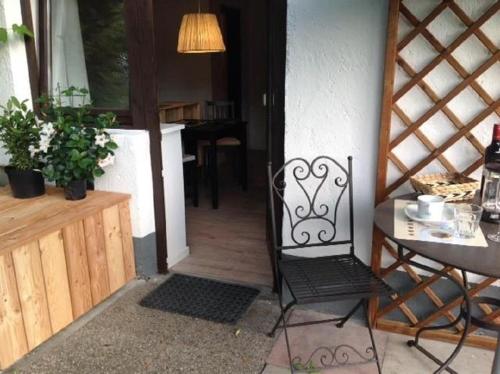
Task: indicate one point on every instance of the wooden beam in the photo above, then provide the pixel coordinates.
(443, 147)
(385, 117)
(30, 44)
(144, 104)
(43, 46)
(454, 45)
(445, 100)
(385, 128)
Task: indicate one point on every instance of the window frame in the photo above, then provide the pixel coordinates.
(43, 68)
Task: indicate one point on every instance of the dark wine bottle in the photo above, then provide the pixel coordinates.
(491, 169)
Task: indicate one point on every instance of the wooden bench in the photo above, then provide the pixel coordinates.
(58, 259)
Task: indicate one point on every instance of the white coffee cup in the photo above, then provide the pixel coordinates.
(430, 206)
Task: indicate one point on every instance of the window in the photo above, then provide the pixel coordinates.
(89, 49)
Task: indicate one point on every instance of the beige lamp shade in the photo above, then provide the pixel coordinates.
(200, 33)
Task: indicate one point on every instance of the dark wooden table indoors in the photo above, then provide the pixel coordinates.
(213, 130)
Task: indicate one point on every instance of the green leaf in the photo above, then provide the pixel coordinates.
(15, 102)
(3, 35)
(22, 30)
(74, 155)
(98, 172)
(111, 145)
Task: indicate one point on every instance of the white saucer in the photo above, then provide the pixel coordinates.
(411, 211)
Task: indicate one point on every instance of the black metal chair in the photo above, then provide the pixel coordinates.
(314, 223)
(223, 111)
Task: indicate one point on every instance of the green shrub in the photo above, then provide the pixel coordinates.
(80, 147)
(23, 135)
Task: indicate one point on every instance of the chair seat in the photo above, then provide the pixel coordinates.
(220, 142)
(323, 279)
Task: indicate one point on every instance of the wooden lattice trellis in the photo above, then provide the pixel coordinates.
(399, 11)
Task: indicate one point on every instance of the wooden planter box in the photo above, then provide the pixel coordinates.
(58, 259)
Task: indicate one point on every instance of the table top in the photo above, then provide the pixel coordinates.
(175, 104)
(479, 260)
(24, 220)
(210, 125)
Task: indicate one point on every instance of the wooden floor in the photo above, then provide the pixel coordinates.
(229, 243)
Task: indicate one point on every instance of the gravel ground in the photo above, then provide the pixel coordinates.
(119, 336)
(127, 338)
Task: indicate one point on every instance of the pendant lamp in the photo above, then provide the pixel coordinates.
(200, 33)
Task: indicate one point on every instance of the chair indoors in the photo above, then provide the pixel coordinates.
(190, 170)
(218, 110)
(313, 220)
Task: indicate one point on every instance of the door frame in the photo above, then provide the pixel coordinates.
(277, 29)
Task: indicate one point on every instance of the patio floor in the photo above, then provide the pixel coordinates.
(120, 336)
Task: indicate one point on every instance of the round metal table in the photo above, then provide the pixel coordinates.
(479, 260)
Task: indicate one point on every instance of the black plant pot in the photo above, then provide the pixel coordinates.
(25, 183)
(76, 190)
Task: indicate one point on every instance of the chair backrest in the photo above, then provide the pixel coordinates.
(220, 110)
(310, 213)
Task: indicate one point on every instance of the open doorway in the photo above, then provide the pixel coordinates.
(226, 236)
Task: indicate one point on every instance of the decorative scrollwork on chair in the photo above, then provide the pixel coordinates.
(341, 355)
(311, 178)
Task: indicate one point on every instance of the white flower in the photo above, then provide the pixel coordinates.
(48, 129)
(101, 140)
(44, 144)
(33, 150)
(108, 160)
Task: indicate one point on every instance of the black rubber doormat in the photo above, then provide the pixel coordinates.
(201, 298)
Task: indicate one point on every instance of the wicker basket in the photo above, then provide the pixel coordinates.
(453, 187)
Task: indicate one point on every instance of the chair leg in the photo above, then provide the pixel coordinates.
(350, 314)
(280, 318)
(286, 334)
(194, 184)
(375, 354)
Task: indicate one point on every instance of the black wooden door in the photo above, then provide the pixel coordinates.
(276, 98)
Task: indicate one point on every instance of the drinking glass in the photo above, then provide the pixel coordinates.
(466, 219)
(489, 200)
(496, 209)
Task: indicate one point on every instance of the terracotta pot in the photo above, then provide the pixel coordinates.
(25, 183)
(76, 190)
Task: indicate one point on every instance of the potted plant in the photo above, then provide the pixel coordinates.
(81, 147)
(26, 140)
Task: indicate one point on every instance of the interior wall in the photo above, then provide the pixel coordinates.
(182, 77)
(201, 77)
(334, 76)
(254, 67)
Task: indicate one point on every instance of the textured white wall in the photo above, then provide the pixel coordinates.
(335, 62)
(173, 185)
(131, 173)
(14, 76)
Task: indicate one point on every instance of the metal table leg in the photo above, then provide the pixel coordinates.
(496, 360)
(465, 313)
